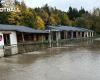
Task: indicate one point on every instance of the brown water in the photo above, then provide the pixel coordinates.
(79, 61)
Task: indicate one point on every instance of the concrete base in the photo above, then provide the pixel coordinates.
(14, 50)
(8, 51)
(1, 53)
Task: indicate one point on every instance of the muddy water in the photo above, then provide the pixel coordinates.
(74, 61)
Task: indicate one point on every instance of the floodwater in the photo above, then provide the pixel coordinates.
(74, 61)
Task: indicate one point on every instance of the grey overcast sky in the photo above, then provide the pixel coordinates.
(64, 4)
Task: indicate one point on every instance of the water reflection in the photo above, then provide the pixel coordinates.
(73, 60)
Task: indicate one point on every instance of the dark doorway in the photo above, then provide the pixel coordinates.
(74, 34)
(69, 35)
(62, 35)
(54, 36)
(6, 39)
(82, 34)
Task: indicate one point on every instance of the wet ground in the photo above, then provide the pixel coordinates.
(78, 61)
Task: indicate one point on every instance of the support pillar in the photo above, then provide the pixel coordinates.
(80, 34)
(23, 37)
(92, 34)
(87, 33)
(77, 35)
(66, 35)
(72, 35)
(58, 38)
(42, 38)
(50, 38)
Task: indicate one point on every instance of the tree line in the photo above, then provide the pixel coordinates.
(39, 18)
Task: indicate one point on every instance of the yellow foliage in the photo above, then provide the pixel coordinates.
(39, 23)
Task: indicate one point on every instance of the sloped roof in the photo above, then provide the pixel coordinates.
(66, 28)
(20, 29)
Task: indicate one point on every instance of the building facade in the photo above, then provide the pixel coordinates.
(68, 32)
(11, 35)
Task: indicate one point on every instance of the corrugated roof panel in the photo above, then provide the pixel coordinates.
(67, 28)
(20, 29)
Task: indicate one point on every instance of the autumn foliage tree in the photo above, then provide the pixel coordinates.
(39, 23)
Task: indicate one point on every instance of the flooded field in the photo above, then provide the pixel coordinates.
(73, 60)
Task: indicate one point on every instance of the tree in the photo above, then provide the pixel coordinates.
(46, 8)
(15, 18)
(28, 18)
(44, 15)
(72, 13)
(65, 19)
(81, 12)
(25, 17)
(85, 21)
(52, 20)
(39, 23)
(4, 18)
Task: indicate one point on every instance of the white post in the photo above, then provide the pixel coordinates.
(81, 34)
(50, 36)
(57, 37)
(87, 34)
(66, 34)
(92, 34)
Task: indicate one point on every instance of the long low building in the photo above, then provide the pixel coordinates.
(68, 32)
(12, 35)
